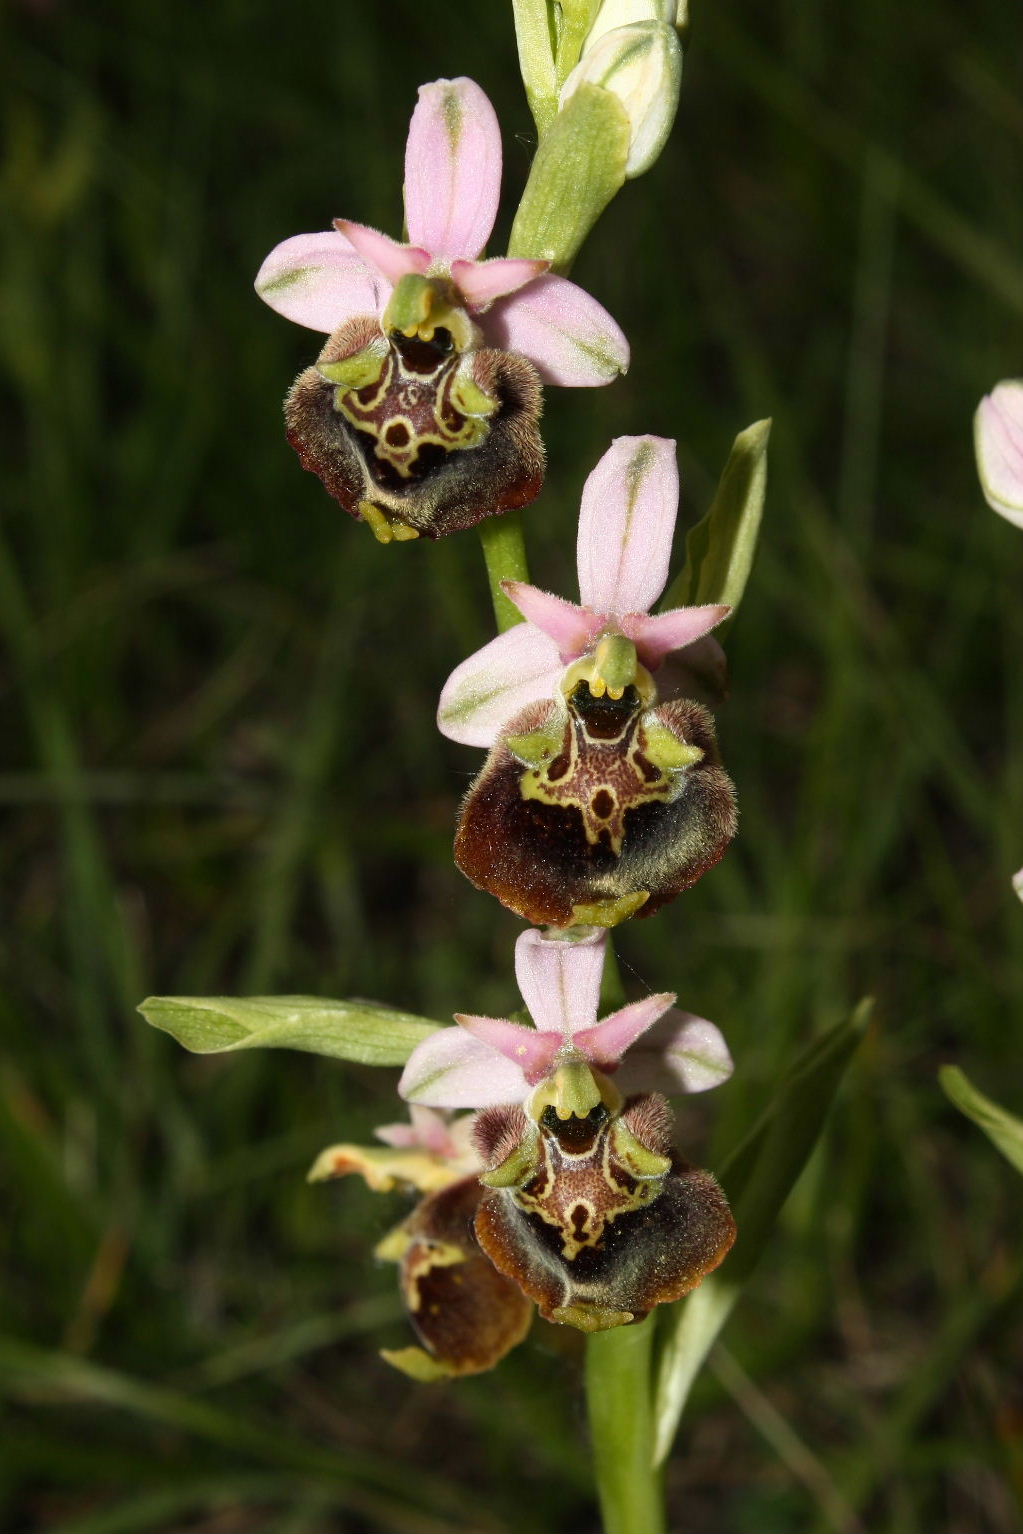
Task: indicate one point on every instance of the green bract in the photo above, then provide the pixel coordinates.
(720, 548)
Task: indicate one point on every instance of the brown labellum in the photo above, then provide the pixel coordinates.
(595, 1217)
(597, 809)
(414, 436)
(465, 1313)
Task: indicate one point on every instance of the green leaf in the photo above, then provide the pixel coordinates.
(758, 1177)
(363, 1031)
(720, 548)
(1003, 1129)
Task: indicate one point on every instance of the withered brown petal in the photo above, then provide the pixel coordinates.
(535, 856)
(465, 1313)
(646, 1257)
(428, 487)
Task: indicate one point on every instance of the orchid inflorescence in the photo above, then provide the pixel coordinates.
(599, 799)
(540, 1146)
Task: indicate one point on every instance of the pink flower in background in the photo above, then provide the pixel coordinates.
(626, 525)
(998, 438)
(452, 188)
(488, 1060)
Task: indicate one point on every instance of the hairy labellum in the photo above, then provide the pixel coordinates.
(465, 1313)
(416, 436)
(591, 1213)
(597, 809)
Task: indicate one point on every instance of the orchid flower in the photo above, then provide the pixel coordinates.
(429, 1152)
(623, 549)
(466, 1314)
(489, 1060)
(567, 1156)
(421, 414)
(597, 802)
(998, 437)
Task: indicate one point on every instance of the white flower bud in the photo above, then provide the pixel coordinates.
(641, 64)
(623, 13)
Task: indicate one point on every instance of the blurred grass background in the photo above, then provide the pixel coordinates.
(220, 770)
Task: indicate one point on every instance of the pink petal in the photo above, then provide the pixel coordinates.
(320, 281)
(607, 1042)
(452, 169)
(559, 979)
(481, 695)
(657, 636)
(681, 1053)
(480, 282)
(428, 1129)
(626, 523)
(566, 334)
(391, 260)
(451, 1069)
(531, 1052)
(572, 628)
(998, 436)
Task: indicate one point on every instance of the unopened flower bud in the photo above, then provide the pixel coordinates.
(640, 64)
(624, 13)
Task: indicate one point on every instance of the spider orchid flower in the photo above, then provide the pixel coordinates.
(465, 1313)
(596, 801)
(586, 1206)
(998, 437)
(420, 416)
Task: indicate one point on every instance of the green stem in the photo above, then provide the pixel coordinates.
(504, 549)
(618, 1399)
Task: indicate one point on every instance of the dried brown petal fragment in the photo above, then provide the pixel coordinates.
(465, 1313)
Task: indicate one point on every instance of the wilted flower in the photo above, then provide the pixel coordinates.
(589, 1209)
(596, 802)
(998, 438)
(466, 1314)
(420, 416)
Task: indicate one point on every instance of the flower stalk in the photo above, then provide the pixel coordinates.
(618, 1402)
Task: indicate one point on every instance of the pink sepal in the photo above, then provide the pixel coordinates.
(559, 980)
(391, 259)
(680, 1053)
(452, 169)
(573, 628)
(490, 686)
(569, 338)
(626, 523)
(319, 280)
(451, 1069)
